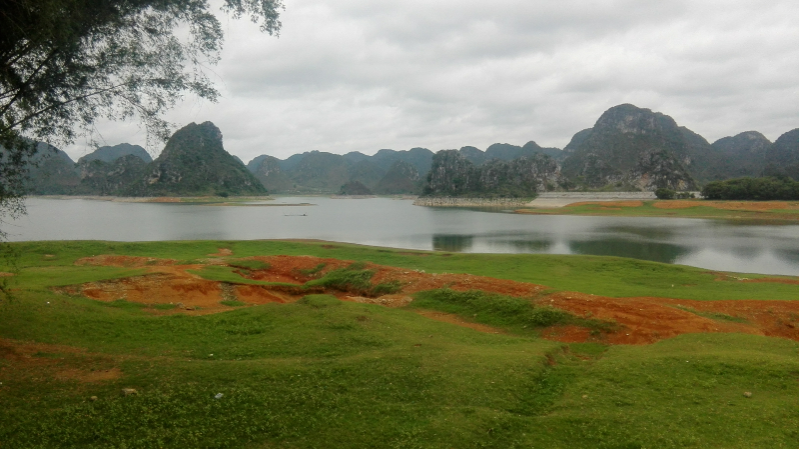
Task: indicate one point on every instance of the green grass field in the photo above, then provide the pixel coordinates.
(321, 373)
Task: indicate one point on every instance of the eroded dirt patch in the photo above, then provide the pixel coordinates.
(647, 320)
(640, 320)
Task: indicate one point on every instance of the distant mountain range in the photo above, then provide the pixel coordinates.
(628, 148)
(193, 163)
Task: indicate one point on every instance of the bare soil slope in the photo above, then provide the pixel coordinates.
(641, 320)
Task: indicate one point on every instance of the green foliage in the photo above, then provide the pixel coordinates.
(385, 288)
(760, 189)
(354, 188)
(319, 301)
(355, 279)
(194, 162)
(66, 63)
(665, 194)
(312, 272)
(232, 303)
(452, 174)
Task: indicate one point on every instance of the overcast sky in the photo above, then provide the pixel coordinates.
(361, 75)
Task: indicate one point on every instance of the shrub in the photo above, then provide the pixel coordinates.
(759, 189)
(665, 194)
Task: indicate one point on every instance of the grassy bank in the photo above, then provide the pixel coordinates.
(323, 373)
(607, 276)
(752, 210)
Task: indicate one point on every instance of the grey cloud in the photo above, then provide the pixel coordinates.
(360, 75)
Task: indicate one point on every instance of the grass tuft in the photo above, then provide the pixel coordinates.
(355, 279)
(512, 313)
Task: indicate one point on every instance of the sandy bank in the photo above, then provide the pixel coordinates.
(551, 200)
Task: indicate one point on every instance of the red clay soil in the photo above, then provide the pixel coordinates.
(640, 320)
(775, 280)
(24, 360)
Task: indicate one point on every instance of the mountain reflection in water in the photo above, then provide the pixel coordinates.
(754, 247)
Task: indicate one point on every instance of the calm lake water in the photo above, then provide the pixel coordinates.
(713, 244)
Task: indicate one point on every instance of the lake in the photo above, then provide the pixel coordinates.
(767, 248)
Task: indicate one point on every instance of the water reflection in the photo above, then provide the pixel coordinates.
(657, 252)
(746, 252)
(713, 244)
(531, 246)
(645, 232)
(452, 243)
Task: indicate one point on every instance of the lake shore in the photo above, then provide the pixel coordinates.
(549, 200)
(694, 208)
(470, 202)
(157, 199)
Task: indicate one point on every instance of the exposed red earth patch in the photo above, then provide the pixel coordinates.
(39, 361)
(641, 320)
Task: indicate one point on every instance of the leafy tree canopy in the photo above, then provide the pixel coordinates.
(66, 63)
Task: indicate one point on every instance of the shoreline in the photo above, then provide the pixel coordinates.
(470, 202)
(155, 199)
(775, 211)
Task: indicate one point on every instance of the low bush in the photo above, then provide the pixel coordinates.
(665, 194)
(759, 189)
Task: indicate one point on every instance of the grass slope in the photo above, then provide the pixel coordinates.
(324, 373)
(607, 276)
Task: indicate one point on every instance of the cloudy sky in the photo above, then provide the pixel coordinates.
(361, 75)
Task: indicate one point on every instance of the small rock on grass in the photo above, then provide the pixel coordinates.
(747, 394)
(129, 391)
(93, 398)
